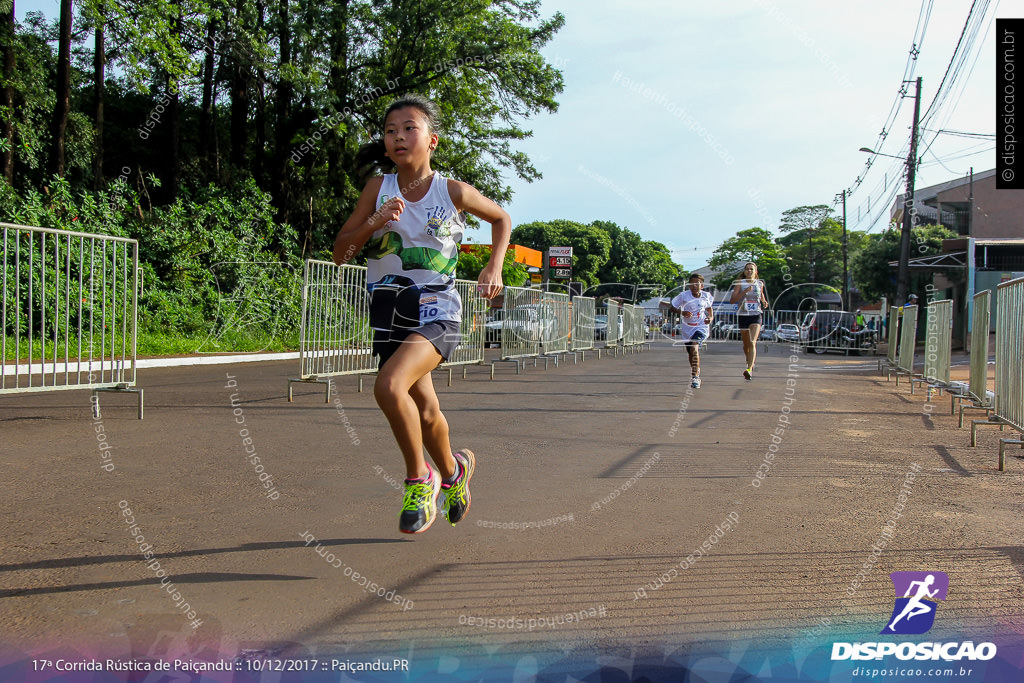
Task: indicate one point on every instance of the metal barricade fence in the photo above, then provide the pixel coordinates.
(892, 330)
(937, 344)
(627, 336)
(336, 338)
(69, 313)
(614, 334)
(633, 318)
(724, 325)
(583, 317)
(908, 337)
(555, 322)
(639, 326)
(470, 350)
(977, 396)
(520, 327)
(1009, 404)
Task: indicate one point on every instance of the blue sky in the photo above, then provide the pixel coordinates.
(687, 121)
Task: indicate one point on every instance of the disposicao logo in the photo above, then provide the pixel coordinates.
(916, 595)
(914, 610)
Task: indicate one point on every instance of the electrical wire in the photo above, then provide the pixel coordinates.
(920, 30)
(951, 83)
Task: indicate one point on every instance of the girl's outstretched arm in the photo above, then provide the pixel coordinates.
(365, 220)
(467, 198)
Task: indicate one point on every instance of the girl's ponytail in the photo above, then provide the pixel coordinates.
(372, 159)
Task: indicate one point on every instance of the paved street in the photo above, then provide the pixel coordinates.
(617, 516)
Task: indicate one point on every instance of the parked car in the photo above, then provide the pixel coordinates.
(833, 330)
(728, 331)
(492, 328)
(600, 326)
(787, 332)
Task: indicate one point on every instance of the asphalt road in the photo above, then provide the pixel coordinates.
(617, 515)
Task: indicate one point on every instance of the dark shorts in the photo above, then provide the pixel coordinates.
(745, 321)
(443, 334)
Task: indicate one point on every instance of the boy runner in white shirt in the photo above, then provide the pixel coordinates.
(694, 305)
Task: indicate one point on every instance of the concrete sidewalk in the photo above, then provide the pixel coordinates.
(615, 513)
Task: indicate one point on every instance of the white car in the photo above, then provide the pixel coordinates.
(787, 333)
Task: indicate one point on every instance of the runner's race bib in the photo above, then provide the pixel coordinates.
(752, 306)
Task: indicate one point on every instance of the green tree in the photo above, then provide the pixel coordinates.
(870, 268)
(9, 51)
(591, 246)
(802, 224)
(280, 91)
(757, 245)
(635, 261)
(473, 260)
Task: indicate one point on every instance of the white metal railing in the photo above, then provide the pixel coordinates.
(908, 341)
(556, 322)
(1009, 403)
(336, 338)
(614, 330)
(583, 312)
(977, 396)
(892, 329)
(521, 325)
(470, 350)
(69, 313)
(633, 325)
(938, 337)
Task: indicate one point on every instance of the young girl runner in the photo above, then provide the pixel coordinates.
(412, 223)
(750, 294)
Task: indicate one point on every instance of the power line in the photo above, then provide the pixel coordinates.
(923, 18)
(951, 82)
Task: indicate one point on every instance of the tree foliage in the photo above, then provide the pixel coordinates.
(870, 267)
(473, 260)
(590, 245)
(604, 253)
(277, 92)
(753, 244)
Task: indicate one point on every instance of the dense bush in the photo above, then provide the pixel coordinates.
(216, 267)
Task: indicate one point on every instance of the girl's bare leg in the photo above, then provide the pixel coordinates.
(410, 366)
(749, 337)
(433, 426)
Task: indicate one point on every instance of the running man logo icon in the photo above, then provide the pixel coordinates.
(916, 595)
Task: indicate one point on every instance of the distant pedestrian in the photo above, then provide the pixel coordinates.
(695, 306)
(749, 292)
(412, 223)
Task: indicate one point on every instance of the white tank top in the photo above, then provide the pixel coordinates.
(750, 304)
(421, 249)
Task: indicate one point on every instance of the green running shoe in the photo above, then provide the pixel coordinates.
(419, 506)
(457, 498)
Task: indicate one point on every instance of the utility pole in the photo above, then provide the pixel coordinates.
(970, 207)
(846, 270)
(909, 212)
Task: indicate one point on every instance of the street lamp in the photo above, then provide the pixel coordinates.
(879, 154)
